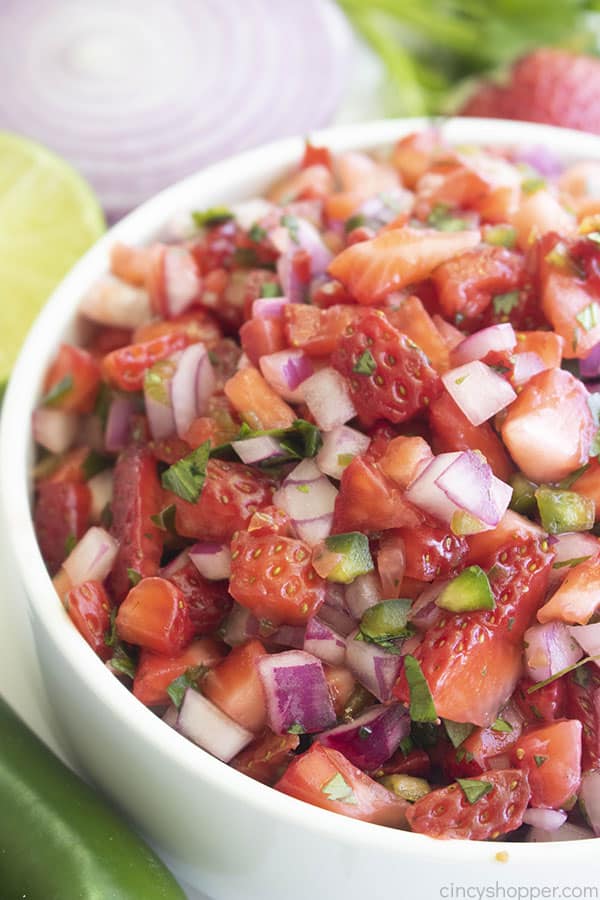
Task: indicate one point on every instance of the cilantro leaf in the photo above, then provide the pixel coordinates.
(134, 577)
(540, 760)
(422, 707)
(58, 391)
(442, 218)
(474, 789)
(70, 543)
(186, 477)
(256, 233)
(365, 364)
(501, 725)
(339, 789)
(190, 678)
(458, 732)
(270, 289)
(296, 728)
(504, 303)
(353, 222)
(94, 463)
(292, 225)
(208, 218)
(531, 185)
(540, 684)
(165, 519)
(122, 663)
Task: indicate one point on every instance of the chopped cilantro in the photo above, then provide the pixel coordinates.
(291, 223)
(270, 289)
(532, 185)
(365, 364)
(460, 379)
(121, 662)
(134, 577)
(540, 760)
(93, 464)
(70, 542)
(540, 684)
(344, 459)
(296, 728)
(256, 233)
(422, 708)
(406, 745)
(501, 725)
(504, 303)
(501, 236)
(458, 732)
(165, 519)
(441, 217)
(208, 218)
(190, 678)
(474, 789)
(58, 391)
(338, 789)
(186, 477)
(570, 562)
(303, 488)
(353, 222)
(589, 316)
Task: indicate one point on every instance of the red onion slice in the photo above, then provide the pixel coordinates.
(286, 371)
(204, 724)
(425, 612)
(549, 649)
(308, 498)
(289, 636)
(138, 101)
(192, 386)
(478, 391)
(101, 489)
(54, 429)
(545, 819)
(469, 483)
(183, 284)
(258, 449)
(268, 307)
(590, 366)
(340, 446)
(364, 592)
(495, 338)
(327, 396)
(588, 638)
(427, 495)
(373, 667)
(92, 558)
(118, 423)
(111, 301)
(590, 797)
(566, 832)
(213, 561)
(372, 738)
(526, 366)
(324, 642)
(296, 692)
(569, 547)
(339, 620)
(240, 625)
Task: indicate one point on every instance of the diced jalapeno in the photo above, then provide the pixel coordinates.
(387, 621)
(468, 591)
(501, 236)
(406, 786)
(562, 511)
(354, 556)
(523, 496)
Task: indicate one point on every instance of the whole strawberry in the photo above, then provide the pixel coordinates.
(549, 85)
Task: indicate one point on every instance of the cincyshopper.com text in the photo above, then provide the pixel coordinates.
(499, 891)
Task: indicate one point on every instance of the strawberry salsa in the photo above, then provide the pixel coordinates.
(321, 489)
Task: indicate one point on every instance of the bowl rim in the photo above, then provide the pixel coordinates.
(15, 456)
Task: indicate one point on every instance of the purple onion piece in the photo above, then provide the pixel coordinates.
(545, 819)
(288, 636)
(370, 740)
(213, 561)
(374, 668)
(118, 424)
(549, 648)
(240, 625)
(296, 692)
(589, 367)
(204, 724)
(338, 619)
(324, 642)
(257, 449)
(362, 593)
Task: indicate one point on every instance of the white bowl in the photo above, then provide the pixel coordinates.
(229, 835)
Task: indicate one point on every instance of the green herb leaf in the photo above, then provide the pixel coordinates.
(186, 477)
(501, 725)
(442, 218)
(301, 440)
(422, 707)
(292, 225)
(353, 222)
(208, 218)
(270, 289)
(531, 185)
(540, 760)
(339, 789)
(458, 732)
(570, 562)
(589, 316)
(165, 519)
(296, 728)
(501, 236)
(365, 364)
(504, 303)
(94, 463)
(121, 662)
(256, 233)
(70, 543)
(190, 678)
(540, 684)
(134, 577)
(406, 745)
(473, 789)
(56, 393)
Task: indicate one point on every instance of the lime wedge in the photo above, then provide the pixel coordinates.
(48, 217)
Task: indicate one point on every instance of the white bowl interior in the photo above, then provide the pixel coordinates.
(87, 686)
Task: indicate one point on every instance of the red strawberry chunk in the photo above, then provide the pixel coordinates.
(583, 703)
(61, 516)
(208, 601)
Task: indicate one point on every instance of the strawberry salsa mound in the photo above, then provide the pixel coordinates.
(321, 488)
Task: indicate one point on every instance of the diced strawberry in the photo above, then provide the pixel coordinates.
(273, 577)
(447, 813)
(512, 528)
(69, 468)
(107, 339)
(126, 368)
(432, 552)
(368, 501)
(413, 320)
(235, 686)
(267, 758)
(415, 762)
(155, 671)
(62, 512)
(482, 749)
(232, 493)
(197, 325)
(208, 601)
(550, 755)
(270, 520)
(155, 615)
(317, 331)
(261, 336)
(136, 498)
(404, 458)
(389, 377)
(216, 248)
(395, 259)
(88, 606)
(583, 704)
(412, 155)
(74, 375)
(256, 401)
(543, 705)
(578, 597)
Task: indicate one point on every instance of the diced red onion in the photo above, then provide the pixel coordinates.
(566, 832)
(526, 366)
(101, 489)
(268, 307)
(118, 423)
(376, 669)
(289, 636)
(549, 648)
(496, 338)
(425, 493)
(296, 692)
(213, 561)
(391, 565)
(339, 447)
(171, 716)
(243, 361)
(385, 206)
(365, 591)
(158, 401)
(240, 625)
(327, 396)
(54, 429)
(335, 596)
(545, 819)
(589, 367)
(590, 797)
(249, 212)
(308, 498)
(541, 158)
(206, 725)
(322, 641)
(425, 612)
(258, 449)
(183, 284)
(571, 546)
(111, 301)
(478, 391)
(469, 483)
(588, 638)
(292, 286)
(286, 371)
(177, 563)
(339, 620)
(92, 557)
(372, 738)
(192, 386)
